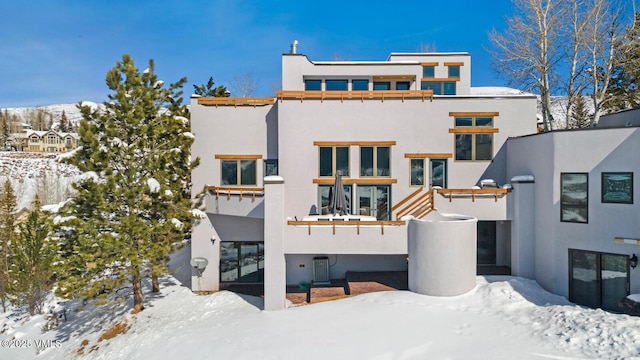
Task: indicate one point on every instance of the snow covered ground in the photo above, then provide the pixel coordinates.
(502, 318)
(40, 173)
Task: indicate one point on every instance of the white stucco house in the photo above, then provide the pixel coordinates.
(408, 135)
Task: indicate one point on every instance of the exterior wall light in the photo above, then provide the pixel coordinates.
(633, 261)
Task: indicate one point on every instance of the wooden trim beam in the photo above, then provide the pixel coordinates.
(428, 155)
(394, 77)
(454, 63)
(473, 130)
(448, 79)
(432, 63)
(354, 143)
(237, 157)
(361, 181)
(474, 114)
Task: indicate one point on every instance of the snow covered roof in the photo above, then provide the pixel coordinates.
(44, 133)
(497, 91)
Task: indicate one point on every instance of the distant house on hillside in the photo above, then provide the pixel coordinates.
(48, 141)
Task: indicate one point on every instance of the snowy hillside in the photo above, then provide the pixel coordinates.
(71, 111)
(37, 173)
(502, 318)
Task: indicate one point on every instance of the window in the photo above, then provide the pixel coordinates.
(374, 200)
(324, 192)
(270, 167)
(437, 172)
(454, 71)
(51, 139)
(381, 85)
(448, 88)
(403, 85)
(313, 84)
(417, 172)
(477, 144)
(429, 71)
(574, 197)
(439, 88)
(335, 85)
(334, 159)
(360, 85)
(239, 172)
(375, 161)
(434, 86)
(617, 187)
(34, 139)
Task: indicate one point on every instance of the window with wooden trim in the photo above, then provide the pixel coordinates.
(439, 87)
(333, 159)
(454, 71)
(428, 71)
(238, 172)
(375, 161)
(476, 144)
(433, 174)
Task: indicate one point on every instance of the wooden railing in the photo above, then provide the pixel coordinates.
(472, 193)
(235, 101)
(354, 95)
(418, 204)
(235, 190)
(356, 224)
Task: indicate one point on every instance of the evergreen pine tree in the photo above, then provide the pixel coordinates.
(208, 90)
(624, 91)
(31, 268)
(580, 114)
(127, 217)
(64, 123)
(7, 236)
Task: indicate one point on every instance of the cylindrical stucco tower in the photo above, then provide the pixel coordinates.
(442, 254)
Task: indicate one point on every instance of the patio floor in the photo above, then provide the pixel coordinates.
(355, 283)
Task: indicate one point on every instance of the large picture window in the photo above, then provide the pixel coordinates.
(334, 159)
(574, 197)
(477, 144)
(375, 161)
(239, 172)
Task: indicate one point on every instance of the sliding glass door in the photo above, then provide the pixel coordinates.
(374, 200)
(598, 280)
(242, 262)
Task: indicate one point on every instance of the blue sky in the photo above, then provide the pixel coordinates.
(60, 51)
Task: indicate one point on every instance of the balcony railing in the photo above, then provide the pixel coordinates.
(235, 101)
(236, 191)
(344, 224)
(418, 204)
(354, 95)
(473, 193)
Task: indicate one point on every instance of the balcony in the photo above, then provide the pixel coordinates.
(236, 201)
(381, 95)
(345, 237)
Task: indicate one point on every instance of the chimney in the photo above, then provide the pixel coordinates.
(294, 47)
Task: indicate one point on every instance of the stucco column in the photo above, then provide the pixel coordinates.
(204, 243)
(520, 210)
(275, 268)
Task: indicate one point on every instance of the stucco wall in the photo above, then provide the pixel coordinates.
(590, 151)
